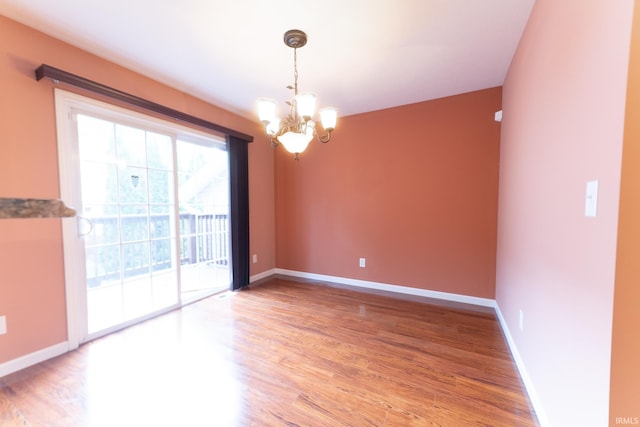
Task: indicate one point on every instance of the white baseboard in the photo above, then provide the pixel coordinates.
(262, 275)
(486, 302)
(522, 370)
(31, 359)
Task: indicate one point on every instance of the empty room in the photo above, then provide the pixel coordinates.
(359, 213)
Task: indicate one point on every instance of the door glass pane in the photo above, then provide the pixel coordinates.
(203, 192)
(104, 224)
(159, 151)
(132, 185)
(134, 223)
(100, 133)
(131, 146)
(160, 187)
(99, 183)
(103, 265)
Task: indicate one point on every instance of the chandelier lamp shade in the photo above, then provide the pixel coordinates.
(296, 130)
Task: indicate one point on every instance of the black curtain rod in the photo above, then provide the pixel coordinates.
(58, 75)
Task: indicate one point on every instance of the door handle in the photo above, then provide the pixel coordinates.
(81, 228)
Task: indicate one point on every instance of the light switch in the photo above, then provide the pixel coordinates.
(3, 325)
(591, 199)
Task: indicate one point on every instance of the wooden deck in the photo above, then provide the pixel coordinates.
(284, 353)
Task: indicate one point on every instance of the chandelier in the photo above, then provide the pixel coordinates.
(297, 129)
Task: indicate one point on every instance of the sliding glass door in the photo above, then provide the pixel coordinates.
(153, 215)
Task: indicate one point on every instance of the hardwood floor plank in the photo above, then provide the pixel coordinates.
(10, 416)
(284, 353)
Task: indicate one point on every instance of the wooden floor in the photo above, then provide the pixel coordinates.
(283, 353)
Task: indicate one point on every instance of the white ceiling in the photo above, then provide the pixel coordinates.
(362, 55)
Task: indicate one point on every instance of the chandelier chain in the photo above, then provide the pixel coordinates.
(295, 71)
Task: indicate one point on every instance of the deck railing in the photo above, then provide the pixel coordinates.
(203, 238)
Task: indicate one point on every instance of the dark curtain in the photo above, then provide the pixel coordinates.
(239, 187)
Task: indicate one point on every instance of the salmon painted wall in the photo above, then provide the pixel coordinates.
(625, 369)
(564, 100)
(412, 189)
(32, 294)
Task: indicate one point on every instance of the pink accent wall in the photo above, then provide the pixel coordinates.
(625, 369)
(563, 102)
(32, 294)
(412, 189)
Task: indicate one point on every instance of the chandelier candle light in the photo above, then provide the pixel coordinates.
(297, 129)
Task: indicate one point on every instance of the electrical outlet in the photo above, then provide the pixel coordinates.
(521, 321)
(255, 258)
(363, 262)
(3, 325)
